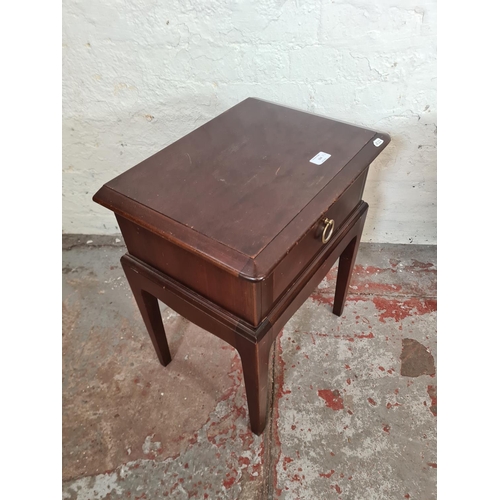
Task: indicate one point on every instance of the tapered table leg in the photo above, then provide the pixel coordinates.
(346, 265)
(255, 362)
(150, 312)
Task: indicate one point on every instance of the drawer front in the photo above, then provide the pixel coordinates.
(305, 250)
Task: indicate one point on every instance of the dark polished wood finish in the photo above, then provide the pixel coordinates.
(225, 226)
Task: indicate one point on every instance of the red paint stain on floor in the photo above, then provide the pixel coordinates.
(368, 336)
(371, 401)
(332, 399)
(243, 461)
(228, 482)
(398, 310)
(431, 390)
(327, 475)
(337, 489)
(321, 299)
(387, 428)
(392, 405)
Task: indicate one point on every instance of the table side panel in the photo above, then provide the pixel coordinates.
(240, 297)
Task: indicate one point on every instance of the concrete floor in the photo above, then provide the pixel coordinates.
(353, 409)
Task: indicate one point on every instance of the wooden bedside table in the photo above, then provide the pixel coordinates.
(234, 225)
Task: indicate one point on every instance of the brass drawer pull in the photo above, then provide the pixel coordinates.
(328, 230)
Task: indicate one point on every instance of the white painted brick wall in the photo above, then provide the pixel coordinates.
(139, 74)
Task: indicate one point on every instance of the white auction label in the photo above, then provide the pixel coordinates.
(320, 158)
(378, 141)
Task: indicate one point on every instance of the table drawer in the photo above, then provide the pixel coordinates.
(308, 247)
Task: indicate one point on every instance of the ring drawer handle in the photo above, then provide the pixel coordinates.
(328, 230)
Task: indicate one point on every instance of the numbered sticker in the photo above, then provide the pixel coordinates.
(320, 158)
(378, 141)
